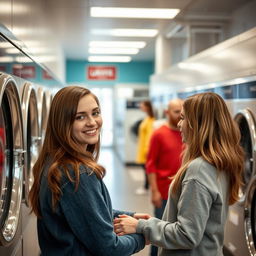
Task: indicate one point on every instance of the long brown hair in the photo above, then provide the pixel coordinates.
(212, 134)
(61, 148)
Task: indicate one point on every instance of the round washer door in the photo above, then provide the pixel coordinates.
(246, 123)
(11, 159)
(42, 112)
(250, 216)
(31, 133)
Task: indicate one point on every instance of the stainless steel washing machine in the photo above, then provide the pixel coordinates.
(240, 227)
(250, 216)
(43, 110)
(31, 133)
(32, 144)
(11, 167)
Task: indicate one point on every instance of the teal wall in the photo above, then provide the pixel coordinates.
(132, 72)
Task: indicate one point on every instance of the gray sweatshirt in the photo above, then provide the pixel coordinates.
(194, 218)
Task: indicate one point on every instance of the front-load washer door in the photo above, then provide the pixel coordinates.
(11, 160)
(42, 112)
(246, 123)
(31, 133)
(250, 216)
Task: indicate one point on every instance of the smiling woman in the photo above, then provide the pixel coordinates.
(69, 197)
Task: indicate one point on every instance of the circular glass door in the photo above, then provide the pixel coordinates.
(31, 131)
(6, 159)
(12, 158)
(250, 216)
(246, 125)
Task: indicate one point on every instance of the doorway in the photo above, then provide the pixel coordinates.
(105, 96)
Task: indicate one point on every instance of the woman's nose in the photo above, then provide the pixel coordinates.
(90, 121)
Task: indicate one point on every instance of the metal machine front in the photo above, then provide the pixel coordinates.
(32, 138)
(11, 165)
(250, 216)
(238, 237)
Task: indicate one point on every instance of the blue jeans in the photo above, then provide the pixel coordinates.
(158, 214)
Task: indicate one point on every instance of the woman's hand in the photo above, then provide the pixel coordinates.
(125, 225)
(144, 216)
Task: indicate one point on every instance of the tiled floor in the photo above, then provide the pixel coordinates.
(122, 182)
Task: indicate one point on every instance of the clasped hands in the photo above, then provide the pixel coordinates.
(126, 224)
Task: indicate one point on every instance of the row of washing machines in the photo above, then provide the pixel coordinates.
(23, 117)
(240, 232)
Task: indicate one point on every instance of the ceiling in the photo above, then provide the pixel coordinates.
(72, 22)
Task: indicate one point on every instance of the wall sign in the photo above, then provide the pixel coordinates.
(101, 72)
(24, 71)
(2, 68)
(46, 75)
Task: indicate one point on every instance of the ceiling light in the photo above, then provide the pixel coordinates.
(12, 51)
(128, 44)
(126, 32)
(6, 59)
(109, 58)
(23, 59)
(5, 45)
(95, 50)
(149, 13)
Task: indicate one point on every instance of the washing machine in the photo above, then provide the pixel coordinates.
(32, 142)
(11, 167)
(43, 109)
(240, 227)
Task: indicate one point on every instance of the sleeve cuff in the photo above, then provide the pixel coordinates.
(140, 226)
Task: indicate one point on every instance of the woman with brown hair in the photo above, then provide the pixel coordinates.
(205, 185)
(68, 196)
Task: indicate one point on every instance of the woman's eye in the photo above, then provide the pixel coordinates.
(80, 117)
(96, 113)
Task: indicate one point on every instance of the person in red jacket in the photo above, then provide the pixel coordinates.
(164, 158)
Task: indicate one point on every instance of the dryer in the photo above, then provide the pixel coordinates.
(11, 167)
(240, 227)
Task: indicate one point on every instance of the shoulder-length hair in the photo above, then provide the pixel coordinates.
(212, 134)
(60, 147)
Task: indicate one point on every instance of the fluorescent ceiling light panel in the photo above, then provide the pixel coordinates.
(6, 59)
(109, 50)
(119, 44)
(12, 51)
(5, 45)
(126, 32)
(148, 13)
(109, 58)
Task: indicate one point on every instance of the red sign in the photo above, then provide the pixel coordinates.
(101, 73)
(46, 75)
(24, 71)
(2, 68)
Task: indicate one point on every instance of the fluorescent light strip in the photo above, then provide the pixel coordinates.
(6, 59)
(119, 44)
(109, 59)
(12, 51)
(126, 32)
(149, 13)
(95, 50)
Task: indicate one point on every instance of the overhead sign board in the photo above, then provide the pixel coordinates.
(101, 72)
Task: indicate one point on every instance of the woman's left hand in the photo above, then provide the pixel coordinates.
(144, 216)
(125, 225)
